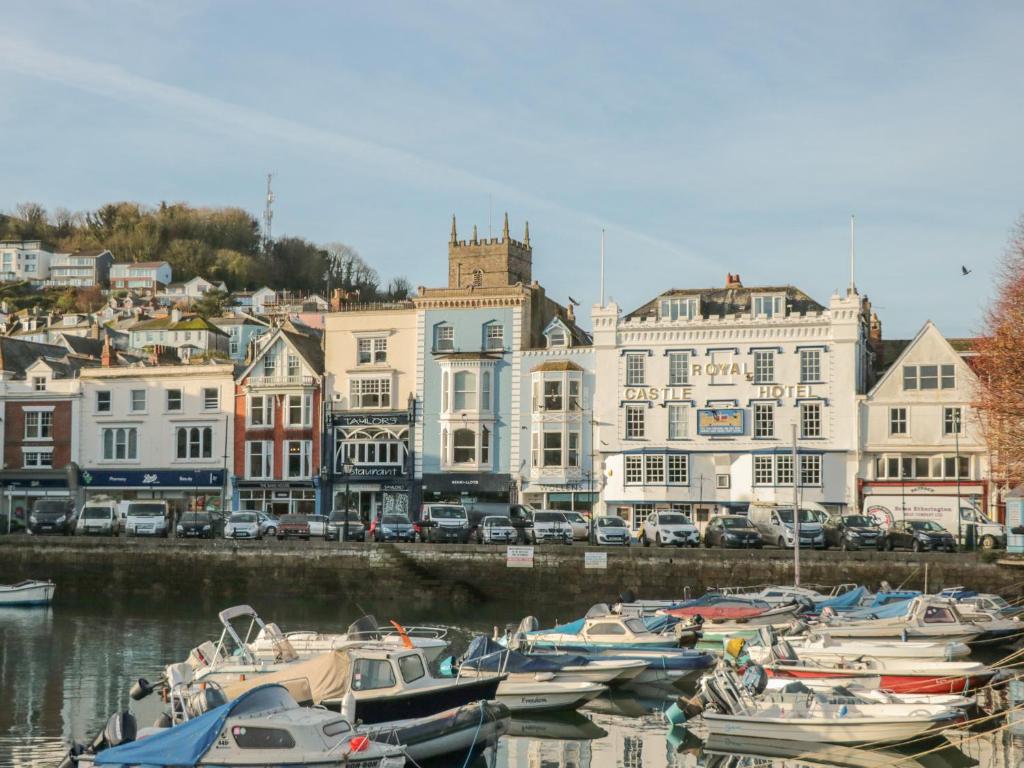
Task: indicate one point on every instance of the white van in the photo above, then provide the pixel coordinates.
(98, 516)
(145, 517)
(775, 524)
(885, 510)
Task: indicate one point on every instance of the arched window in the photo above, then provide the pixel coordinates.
(464, 395)
(485, 392)
(464, 446)
(478, 278)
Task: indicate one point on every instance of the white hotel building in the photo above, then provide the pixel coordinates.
(700, 390)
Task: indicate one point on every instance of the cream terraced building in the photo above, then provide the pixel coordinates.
(700, 390)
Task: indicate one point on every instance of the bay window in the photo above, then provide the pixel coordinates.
(464, 446)
(299, 408)
(463, 390)
(370, 393)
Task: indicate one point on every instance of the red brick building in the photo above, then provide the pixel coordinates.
(278, 413)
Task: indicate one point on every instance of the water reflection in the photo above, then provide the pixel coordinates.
(63, 670)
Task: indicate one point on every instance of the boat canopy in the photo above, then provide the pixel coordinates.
(572, 628)
(185, 744)
(482, 646)
(842, 602)
(890, 611)
(321, 678)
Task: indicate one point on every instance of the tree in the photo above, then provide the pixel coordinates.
(211, 304)
(399, 289)
(999, 363)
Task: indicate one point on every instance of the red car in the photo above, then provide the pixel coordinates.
(293, 527)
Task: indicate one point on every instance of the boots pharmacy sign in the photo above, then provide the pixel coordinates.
(721, 421)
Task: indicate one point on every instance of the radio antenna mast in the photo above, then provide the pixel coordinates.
(268, 215)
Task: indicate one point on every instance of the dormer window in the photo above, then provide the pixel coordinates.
(39, 383)
(680, 309)
(769, 306)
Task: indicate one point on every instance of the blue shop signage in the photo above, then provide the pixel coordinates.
(152, 478)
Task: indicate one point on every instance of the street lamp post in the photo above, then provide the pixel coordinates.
(347, 468)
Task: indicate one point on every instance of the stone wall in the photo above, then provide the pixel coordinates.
(467, 576)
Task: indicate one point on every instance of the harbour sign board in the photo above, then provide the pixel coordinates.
(157, 478)
(721, 421)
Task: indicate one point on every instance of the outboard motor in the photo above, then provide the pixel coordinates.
(528, 624)
(755, 679)
(204, 700)
(120, 729)
(627, 596)
(141, 689)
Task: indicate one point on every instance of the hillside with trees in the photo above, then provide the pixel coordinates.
(215, 243)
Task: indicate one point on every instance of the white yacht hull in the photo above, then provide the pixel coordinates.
(862, 730)
(536, 696)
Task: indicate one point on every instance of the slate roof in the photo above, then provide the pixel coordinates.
(308, 347)
(83, 345)
(17, 354)
(730, 301)
(186, 324)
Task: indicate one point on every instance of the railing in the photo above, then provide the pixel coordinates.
(260, 382)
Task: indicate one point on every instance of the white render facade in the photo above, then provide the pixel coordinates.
(160, 431)
(699, 390)
(920, 430)
(24, 260)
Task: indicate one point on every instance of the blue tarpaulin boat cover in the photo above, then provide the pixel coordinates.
(890, 611)
(182, 745)
(572, 628)
(842, 602)
(482, 646)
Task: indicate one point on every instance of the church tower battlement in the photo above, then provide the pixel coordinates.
(489, 262)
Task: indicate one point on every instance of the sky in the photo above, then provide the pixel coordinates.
(703, 137)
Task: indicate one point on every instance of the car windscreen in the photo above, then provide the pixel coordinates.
(447, 513)
(395, 520)
(97, 513)
(859, 521)
(925, 525)
(611, 522)
(146, 510)
(548, 517)
(245, 517)
(674, 519)
(497, 521)
(339, 514)
(294, 519)
(50, 507)
(786, 515)
(196, 517)
(735, 522)
(574, 517)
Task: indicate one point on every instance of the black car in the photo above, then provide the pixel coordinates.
(732, 531)
(918, 535)
(196, 525)
(336, 526)
(52, 516)
(851, 532)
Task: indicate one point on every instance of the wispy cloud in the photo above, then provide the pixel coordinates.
(24, 58)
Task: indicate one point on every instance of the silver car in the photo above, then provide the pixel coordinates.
(243, 525)
(495, 529)
(580, 526)
(549, 526)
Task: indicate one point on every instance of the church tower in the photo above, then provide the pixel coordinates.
(490, 262)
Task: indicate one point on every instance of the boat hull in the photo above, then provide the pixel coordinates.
(888, 681)
(424, 702)
(27, 594)
(454, 731)
(868, 730)
(539, 697)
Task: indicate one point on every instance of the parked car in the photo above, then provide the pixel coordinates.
(610, 531)
(336, 526)
(732, 531)
(851, 532)
(666, 527)
(52, 515)
(196, 525)
(442, 523)
(391, 527)
(243, 525)
(268, 522)
(496, 529)
(580, 526)
(293, 527)
(550, 526)
(918, 535)
(98, 518)
(775, 523)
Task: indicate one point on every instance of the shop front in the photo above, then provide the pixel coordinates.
(475, 490)
(276, 497)
(370, 472)
(19, 488)
(183, 490)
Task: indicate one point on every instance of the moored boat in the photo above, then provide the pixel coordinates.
(26, 594)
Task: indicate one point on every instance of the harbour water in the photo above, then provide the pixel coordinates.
(64, 669)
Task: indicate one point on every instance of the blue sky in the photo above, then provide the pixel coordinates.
(704, 137)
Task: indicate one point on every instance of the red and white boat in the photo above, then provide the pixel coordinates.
(723, 608)
(893, 675)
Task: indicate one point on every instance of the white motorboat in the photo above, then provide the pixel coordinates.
(26, 594)
(925, 618)
(867, 695)
(263, 727)
(488, 654)
(600, 630)
(430, 640)
(521, 695)
(828, 649)
(732, 711)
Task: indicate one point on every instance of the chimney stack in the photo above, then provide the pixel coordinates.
(106, 354)
(733, 281)
(570, 312)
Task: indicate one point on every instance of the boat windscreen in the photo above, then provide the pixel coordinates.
(270, 698)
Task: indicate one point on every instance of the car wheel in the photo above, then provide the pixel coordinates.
(782, 543)
(271, 531)
(988, 542)
(890, 544)
(843, 545)
(644, 540)
(916, 546)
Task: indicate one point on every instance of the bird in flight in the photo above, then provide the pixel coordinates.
(964, 271)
